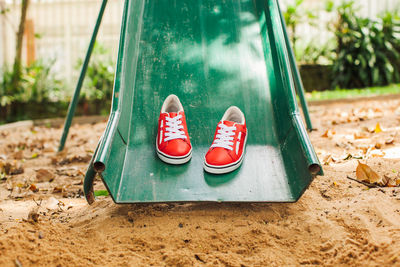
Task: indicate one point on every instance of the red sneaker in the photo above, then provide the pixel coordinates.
(173, 143)
(227, 150)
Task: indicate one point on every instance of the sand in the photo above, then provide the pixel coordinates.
(337, 222)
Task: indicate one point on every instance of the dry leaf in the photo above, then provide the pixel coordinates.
(378, 145)
(365, 129)
(370, 149)
(390, 140)
(363, 148)
(58, 189)
(18, 193)
(386, 180)
(360, 135)
(392, 183)
(43, 175)
(48, 149)
(327, 159)
(329, 133)
(11, 169)
(366, 174)
(33, 188)
(18, 155)
(378, 128)
(377, 153)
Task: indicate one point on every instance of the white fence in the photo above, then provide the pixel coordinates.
(65, 27)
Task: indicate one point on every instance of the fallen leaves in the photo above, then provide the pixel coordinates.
(338, 116)
(329, 133)
(378, 128)
(365, 174)
(360, 135)
(18, 155)
(390, 140)
(58, 189)
(43, 175)
(327, 159)
(70, 172)
(33, 188)
(11, 168)
(64, 159)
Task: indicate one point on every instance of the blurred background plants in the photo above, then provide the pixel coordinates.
(353, 52)
(37, 88)
(99, 79)
(367, 51)
(97, 88)
(295, 14)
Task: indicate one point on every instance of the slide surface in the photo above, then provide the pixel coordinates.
(212, 54)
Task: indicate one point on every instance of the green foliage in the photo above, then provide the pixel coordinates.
(5, 80)
(313, 53)
(353, 93)
(368, 51)
(4, 10)
(297, 13)
(294, 15)
(44, 96)
(37, 84)
(38, 94)
(99, 80)
(99, 193)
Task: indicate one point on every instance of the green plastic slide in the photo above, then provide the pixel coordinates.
(212, 54)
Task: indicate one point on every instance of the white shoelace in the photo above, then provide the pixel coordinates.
(174, 129)
(224, 137)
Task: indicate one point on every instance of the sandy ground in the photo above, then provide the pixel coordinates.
(338, 222)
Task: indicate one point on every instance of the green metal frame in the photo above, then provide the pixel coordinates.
(75, 98)
(296, 74)
(172, 49)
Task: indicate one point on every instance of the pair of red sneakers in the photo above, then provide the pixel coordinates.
(173, 142)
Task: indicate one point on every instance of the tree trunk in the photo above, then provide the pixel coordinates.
(18, 52)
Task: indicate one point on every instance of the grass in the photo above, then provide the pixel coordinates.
(99, 193)
(353, 93)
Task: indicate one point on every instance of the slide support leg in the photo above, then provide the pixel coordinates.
(75, 98)
(296, 75)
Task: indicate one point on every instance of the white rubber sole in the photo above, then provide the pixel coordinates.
(174, 160)
(222, 169)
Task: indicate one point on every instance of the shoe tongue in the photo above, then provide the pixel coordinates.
(228, 123)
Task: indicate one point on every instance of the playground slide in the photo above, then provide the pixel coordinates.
(212, 54)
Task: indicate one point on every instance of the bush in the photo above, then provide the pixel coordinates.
(37, 84)
(294, 15)
(44, 96)
(6, 96)
(368, 51)
(37, 88)
(99, 81)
